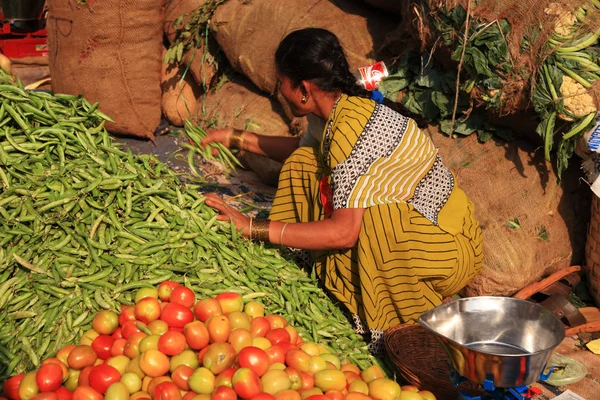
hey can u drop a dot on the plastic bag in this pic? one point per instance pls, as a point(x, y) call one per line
point(567, 370)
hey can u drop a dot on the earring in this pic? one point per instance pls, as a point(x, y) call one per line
point(304, 98)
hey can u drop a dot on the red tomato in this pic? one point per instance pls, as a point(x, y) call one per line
point(218, 357)
point(278, 336)
point(49, 377)
point(246, 383)
point(335, 395)
point(105, 322)
point(224, 378)
point(259, 327)
point(147, 310)
point(117, 334)
point(307, 381)
point(118, 347)
point(45, 396)
point(102, 345)
point(130, 327)
point(196, 335)
point(171, 343)
point(167, 391)
point(176, 315)
point(11, 386)
point(165, 289)
point(254, 358)
point(81, 356)
point(63, 393)
point(86, 393)
point(102, 376)
point(263, 396)
point(181, 376)
point(317, 397)
point(84, 375)
point(276, 353)
point(223, 393)
point(184, 296)
point(65, 369)
point(127, 314)
point(206, 308)
point(230, 302)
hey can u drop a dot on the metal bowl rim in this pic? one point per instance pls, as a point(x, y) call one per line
point(528, 354)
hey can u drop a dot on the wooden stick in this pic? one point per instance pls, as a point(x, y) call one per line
point(534, 288)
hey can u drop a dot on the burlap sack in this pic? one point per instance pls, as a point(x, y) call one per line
point(240, 105)
point(109, 51)
point(201, 64)
point(249, 32)
point(178, 96)
point(510, 182)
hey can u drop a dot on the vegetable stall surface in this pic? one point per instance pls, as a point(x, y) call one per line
point(84, 224)
point(170, 346)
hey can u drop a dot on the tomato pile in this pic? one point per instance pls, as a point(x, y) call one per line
point(169, 346)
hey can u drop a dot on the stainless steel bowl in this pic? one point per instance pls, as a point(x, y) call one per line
point(500, 339)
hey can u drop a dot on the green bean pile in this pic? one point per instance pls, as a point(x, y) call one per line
point(85, 224)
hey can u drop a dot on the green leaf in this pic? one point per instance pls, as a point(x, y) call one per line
point(458, 16)
point(390, 86)
point(472, 124)
point(179, 51)
point(480, 62)
point(442, 103)
point(484, 135)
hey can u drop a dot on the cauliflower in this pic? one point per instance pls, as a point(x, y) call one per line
point(564, 19)
point(576, 98)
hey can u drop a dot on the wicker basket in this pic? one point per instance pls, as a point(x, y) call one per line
point(592, 250)
point(423, 362)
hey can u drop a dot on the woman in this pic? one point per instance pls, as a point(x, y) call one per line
point(390, 232)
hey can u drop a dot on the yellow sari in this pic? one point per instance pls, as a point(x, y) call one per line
point(419, 240)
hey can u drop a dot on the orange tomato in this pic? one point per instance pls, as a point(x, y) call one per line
point(206, 308)
point(181, 376)
point(240, 338)
point(81, 357)
point(287, 395)
point(219, 328)
point(219, 357)
point(259, 327)
point(86, 393)
point(147, 310)
point(298, 359)
point(154, 363)
point(196, 335)
point(172, 342)
point(105, 322)
point(65, 369)
point(276, 321)
point(230, 302)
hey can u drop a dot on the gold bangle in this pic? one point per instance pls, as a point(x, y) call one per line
point(236, 139)
point(281, 234)
point(260, 230)
point(250, 230)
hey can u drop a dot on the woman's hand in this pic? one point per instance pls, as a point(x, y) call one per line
point(220, 135)
point(228, 213)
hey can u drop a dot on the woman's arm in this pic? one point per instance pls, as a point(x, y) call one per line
point(338, 232)
point(278, 148)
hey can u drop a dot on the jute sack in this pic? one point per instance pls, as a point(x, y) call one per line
point(238, 104)
point(109, 51)
point(201, 64)
point(249, 32)
point(510, 185)
point(178, 96)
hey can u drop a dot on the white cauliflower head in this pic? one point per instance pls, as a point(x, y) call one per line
point(576, 98)
point(564, 18)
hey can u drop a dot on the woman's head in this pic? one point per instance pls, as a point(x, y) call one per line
point(314, 55)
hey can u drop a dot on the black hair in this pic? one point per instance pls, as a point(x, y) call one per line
point(314, 54)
